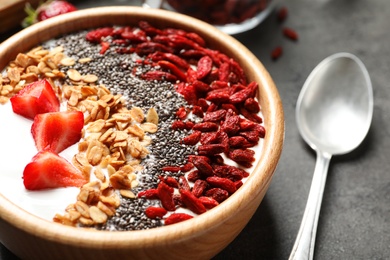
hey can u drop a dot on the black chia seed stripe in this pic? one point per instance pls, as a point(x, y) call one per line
point(115, 72)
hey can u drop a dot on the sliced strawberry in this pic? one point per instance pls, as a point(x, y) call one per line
point(48, 170)
point(57, 131)
point(35, 98)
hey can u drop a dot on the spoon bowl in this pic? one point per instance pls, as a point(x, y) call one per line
point(335, 106)
point(334, 112)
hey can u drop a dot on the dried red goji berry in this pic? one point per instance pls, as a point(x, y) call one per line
point(105, 46)
point(198, 111)
point(196, 38)
point(158, 75)
point(200, 86)
point(276, 52)
point(184, 185)
point(187, 167)
point(282, 14)
point(217, 159)
point(165, 194)
point(151, 194)
point(242, 95)
point(251, 136)
point(96, 36)
point(224, 71)
point(231, 125)
point(203, 166)
point(209, 138)
point(215, 116)
point(244, 157)
point(252, 105)
point(177, 200)
point(176, 218)
point(148, 47)
point(239, 142)
point(251, 116)
point(218, 194)
point(181, 113)
point(218, 97)
point(173, 69)
point(193, 176)
point(238, 71)
point(204, 67)
point(178, 125)
point(206, 127)
point(211, 149)
point(203, 104)
point(231, 172)
point(212, 107)
point(193, 138)
point(149, 29)
point(199, 187)
point(208, 202)
point(136, 36)
point(238, 184)
point(290, 33)
point(192, 202)
point(222, 183)
point(218, 84)
point(172, 182)
point(155, 212)
point(189, 93)
point(232, 107)
point(180, 42)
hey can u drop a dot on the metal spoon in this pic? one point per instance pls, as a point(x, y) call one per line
point(333, 113)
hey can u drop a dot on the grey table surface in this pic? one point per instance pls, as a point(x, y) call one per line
point(355, 214)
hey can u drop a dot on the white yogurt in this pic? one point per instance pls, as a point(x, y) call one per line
point(17, 148)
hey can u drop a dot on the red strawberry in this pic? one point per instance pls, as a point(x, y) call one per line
point(35, 98)
point(47, 10)
point(49, 170)
point(58, 130)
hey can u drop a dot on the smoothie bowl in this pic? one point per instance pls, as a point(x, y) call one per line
point(132, 133)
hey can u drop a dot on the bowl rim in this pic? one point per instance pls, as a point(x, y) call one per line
point(254, 184)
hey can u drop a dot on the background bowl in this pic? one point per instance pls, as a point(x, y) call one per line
point(202, 237)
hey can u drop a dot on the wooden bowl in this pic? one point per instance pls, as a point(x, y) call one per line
point(31, 237)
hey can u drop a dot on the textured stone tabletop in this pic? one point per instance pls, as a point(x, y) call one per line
point(355, 214)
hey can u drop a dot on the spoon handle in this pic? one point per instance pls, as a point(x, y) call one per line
point(304, 243)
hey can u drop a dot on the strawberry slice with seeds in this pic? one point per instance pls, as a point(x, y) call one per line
point(57, 131)
point(48, 170)
point(35, 98)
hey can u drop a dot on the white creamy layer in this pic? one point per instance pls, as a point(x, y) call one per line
point(17, 148)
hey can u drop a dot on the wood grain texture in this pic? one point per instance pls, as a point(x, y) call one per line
point(198, 238)
point(12, 13)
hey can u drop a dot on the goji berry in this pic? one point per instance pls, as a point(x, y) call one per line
point(282, 14)
point(252, 105)
point(193, 176)
point(215, 116)
point(204, 67)
point(251, 136)
point(165, 194)
point(239, 142)
point(206, 127)
point(244, 157)
point(242, 95)
point(155, 212)
point(290, 33)
point(148, 47)
point(187, 167)
point(192, 202)
point(211, 149)
point(218, 194)
point(208, 202)
point(184, 185)
point(149, 29)
point(159, 76)
point(199, 187)
point(151, 194)
point(231, 107)
point(224, 72)
point(181, 113)
point(222, 183)
point(200, 86)
point(105, 46)
point(198, 111)
point(238, 184)
point(96, 36)
point(173, 69)
point(193, 138)
point(196, 38)
point(218, 84)
point(203, 104)
point(203, 166)
point(231, 125)
point(209, 138)
point(178, 125)
point(276, 52)
point(251, 116)
point(172, 182)
point(176, 218)
point(218, 97)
